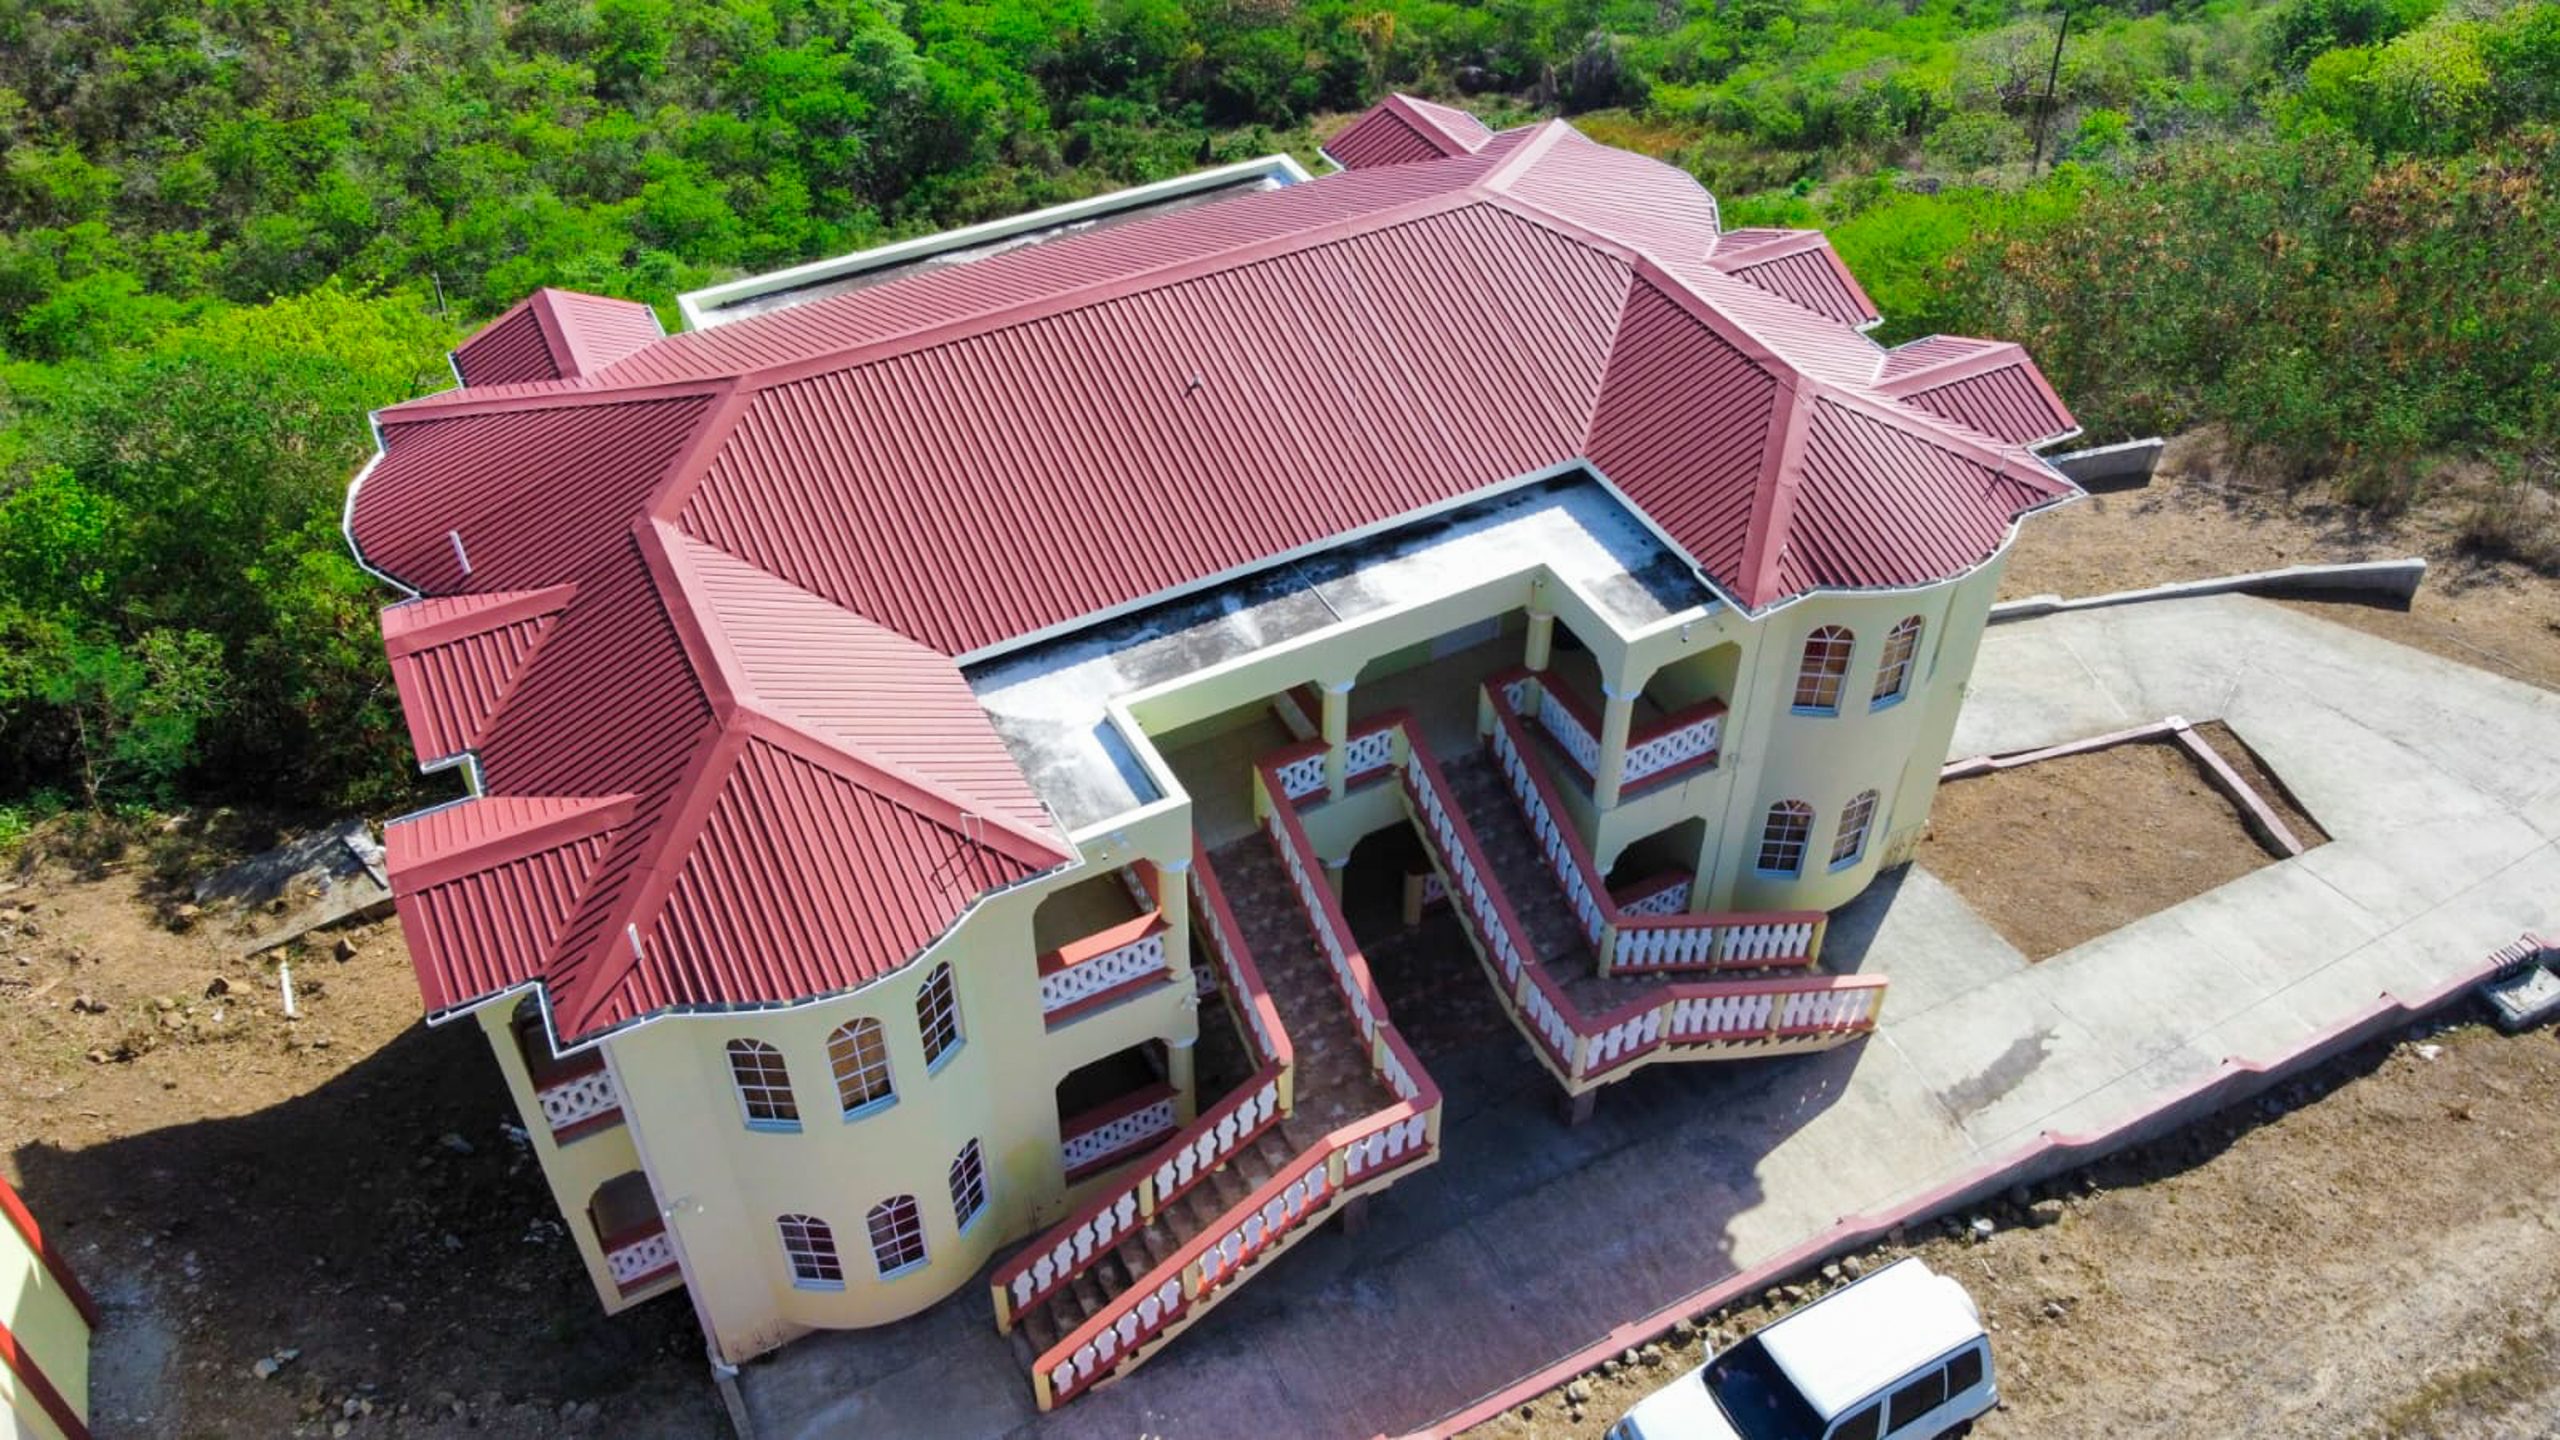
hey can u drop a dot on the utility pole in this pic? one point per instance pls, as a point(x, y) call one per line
point(2052, 74)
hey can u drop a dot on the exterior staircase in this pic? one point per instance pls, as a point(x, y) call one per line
point(1339, 1106)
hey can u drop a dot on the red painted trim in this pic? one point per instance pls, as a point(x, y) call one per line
point(1680, 719)
point(1102, 942)
point(1109, 1110)
point(54, 1264)
point(23, 1365)
point(592, 1125)
point(1649, 887)
point(630, 1234)
point(1220, 918)
point(1857, 1231)
point(645, 1279)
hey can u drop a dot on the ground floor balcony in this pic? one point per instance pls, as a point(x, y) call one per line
point(639, 1255)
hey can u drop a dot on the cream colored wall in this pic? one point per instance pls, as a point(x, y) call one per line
point(49, 1327)
point(1774, 753)
point(574, 1170)
point(724, 1183)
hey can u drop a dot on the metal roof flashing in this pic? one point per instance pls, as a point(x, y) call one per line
point(758, 294)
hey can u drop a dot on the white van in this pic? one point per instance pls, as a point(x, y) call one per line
point(1899, 1355)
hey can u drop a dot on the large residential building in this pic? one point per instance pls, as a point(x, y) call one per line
point(940, 730)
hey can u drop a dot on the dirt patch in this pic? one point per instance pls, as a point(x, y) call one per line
point(2253, 772)
point(2317, 1262)
point(2209, 513)
point(346, 1186)
point(2062, 851)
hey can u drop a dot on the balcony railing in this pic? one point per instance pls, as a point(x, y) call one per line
point(639, 1257)
point(1659, 750)
point(1085, 1237)
point(1641, 939)
point(578, 1098)
point(1586, 1049)
point(1117, 1130)
point(1102, 967)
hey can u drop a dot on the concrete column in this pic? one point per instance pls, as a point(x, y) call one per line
point(1173, 896)
point(1703, 869)
point(1337, 734)
point(1333, 874)
point(1542, 639)
point(1184, 1076)
point(1615, 717)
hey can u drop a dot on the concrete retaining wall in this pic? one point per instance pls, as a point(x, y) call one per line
point(2392, 581)
point(2121, 466)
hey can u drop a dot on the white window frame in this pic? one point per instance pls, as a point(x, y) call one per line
point(872, 1084)
point(968, 1180)
point(1802, 841)
point(766, 1056)
point(809, 1248)
point(1849, 844)
point(1823, 665)
point(1893, 672)
point(895, 1225)
point(938, 1017)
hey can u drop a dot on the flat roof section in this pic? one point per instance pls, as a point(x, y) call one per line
point(1050, 703)
point(800, 284)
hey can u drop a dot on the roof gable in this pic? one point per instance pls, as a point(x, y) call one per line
point(454, 659)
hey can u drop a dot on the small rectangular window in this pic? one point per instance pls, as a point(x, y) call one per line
point(1965, 1371)
point(1861, 1426)
point(1917, 1399)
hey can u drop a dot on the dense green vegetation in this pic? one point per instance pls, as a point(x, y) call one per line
point(229, 230)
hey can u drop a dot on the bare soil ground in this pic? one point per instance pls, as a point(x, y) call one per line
point(342, 1189)
point(2206, 513)
point(2367, 1251)
point(2064, 850)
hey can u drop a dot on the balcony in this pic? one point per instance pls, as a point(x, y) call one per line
point(638, 1253)
point(1120, 1129)
point(576, 1094)
point(1101, 941)
point(1661, 746)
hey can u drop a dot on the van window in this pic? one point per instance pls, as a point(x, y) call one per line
point(1965, 1371)
point(1861, 1426)
point(1918, 1398)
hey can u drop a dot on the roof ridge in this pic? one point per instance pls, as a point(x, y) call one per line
point(736, 703)
point(517, 837)
point(498, 608)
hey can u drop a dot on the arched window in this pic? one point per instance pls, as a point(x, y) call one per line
point(811, 1247)
point(1893, 672)
point(764, 1085)
point(897, 1235)
point(1782, 840)
point(1826, 664)
point(968, 1184)
point(859, 1053)
point(938, 1015)
point(1855, 817)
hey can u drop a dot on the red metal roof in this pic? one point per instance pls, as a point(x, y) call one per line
point(1401, 129)
point(1799, 265)
point(552, 335)
point(745, 554)
point(454, 659)
point(1988, 385)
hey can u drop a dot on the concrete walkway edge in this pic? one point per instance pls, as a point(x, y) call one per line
point(2049, 1153)
point(2394, 580)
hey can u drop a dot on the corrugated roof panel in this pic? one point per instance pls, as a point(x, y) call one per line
point(2005, 402)
point(1879, 506)
point(1383, 137)
point(1636, 201)
point(1683, 430)
point(453, 660)
point(485, 887)
point(594, 331)
point(870, 689)
point(509, 350)
point(528, 494)
point(900, 490)
point(1805, 270)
